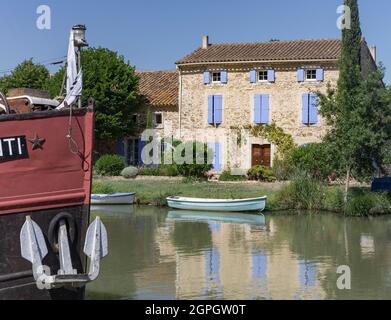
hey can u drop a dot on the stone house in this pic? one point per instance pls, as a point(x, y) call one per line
point(226, 85)
point(221, 86)
point(159, 91)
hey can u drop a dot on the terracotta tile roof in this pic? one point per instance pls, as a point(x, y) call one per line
point(160, 88)
point(267, 51)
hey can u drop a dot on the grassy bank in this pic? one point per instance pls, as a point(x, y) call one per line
point(300, 194)
point(155, 192)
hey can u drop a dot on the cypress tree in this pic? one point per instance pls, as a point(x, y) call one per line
point(350, 61)
point(356, 111)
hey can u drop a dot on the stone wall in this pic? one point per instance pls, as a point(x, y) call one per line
point(170, 119)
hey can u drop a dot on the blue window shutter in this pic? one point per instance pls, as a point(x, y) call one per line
point(120, 147)
point(271, 77)
point(210, 110)
point(305, 108)
point(224, 76)
point(257, 108)
point(218, 109)
point(265, 110)
point(206, 77)
point(320, 74)
point(300, 75)
point(253, 76)
point(216, 148)
point(313, 109)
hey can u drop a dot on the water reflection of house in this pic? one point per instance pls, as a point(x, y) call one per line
point(236, 265)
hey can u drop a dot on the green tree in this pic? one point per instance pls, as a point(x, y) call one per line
point(356, 111)
point(113, 84)
point(26, 75)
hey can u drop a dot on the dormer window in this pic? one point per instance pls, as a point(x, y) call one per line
point(310, 74)
point(216, 77)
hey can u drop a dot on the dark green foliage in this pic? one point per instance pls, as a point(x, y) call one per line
point(26, 75)
point(113, 84)
point(358, 111)
point(162, 171)
point(110, 165)
point(102, 188)
point(228, 176)
point(313, 159)
point(149, 123)
point(261, 173)
point(303, 193)
point(334, 199)
point(364, 203)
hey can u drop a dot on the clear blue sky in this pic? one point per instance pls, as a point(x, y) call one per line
point(153, 34)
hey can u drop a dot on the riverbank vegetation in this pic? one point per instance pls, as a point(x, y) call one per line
point(301, 193)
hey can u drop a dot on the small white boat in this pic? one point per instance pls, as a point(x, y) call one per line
point(221, 205)
point(113, 199)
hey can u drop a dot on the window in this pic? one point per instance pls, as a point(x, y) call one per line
point(310, 74)
point(158, 119)
point(133, 154)
point(216, 76)
point(263, 75)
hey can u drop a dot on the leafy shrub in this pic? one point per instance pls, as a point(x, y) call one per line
point(282, 169)
point(110, 165)
point(312, 159)
point(129, 172)
point(228, 176)
point(261, 173)
point(197, 164)
point(367, 204)
point(303, 192)
point(148, 171)
point(162, 171)
point(102, 188)
point(169, 171)
point(335, 199)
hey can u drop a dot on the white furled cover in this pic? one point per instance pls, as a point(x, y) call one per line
point(74, 79)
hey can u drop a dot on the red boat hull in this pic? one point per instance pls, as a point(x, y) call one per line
point(53, 177)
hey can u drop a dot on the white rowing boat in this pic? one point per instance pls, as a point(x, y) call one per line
point(113, 199)
point(221, 205)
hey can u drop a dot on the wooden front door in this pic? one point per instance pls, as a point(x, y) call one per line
point(261, 155)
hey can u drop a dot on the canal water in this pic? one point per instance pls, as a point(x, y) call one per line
point(156, 254)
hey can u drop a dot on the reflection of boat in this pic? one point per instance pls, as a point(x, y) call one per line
point(223, 205)
point(125, 209)
point(240, 218)
point(113, 199)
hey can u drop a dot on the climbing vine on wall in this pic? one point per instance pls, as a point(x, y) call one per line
point(274, 134)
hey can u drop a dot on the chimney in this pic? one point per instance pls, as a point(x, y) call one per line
point(205, 42)
point(373, 53)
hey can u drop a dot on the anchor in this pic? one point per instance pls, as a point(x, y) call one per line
point(34, 249)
